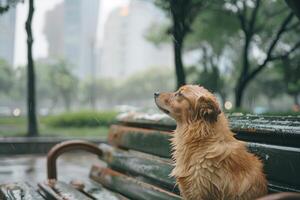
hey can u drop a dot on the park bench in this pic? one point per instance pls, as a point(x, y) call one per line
point(136, 159)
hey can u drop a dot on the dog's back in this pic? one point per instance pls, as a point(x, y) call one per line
point(223, 171)
point(209, 162)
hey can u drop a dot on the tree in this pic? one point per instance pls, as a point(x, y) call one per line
point(63, 82)
point(32, 129)
point(291, 71)
point(236, 26)
point(211, 39)
point(182, 13)
point(140, 87)
point(252, 16)
point(6, 5)
point(6, 77)
point(31, 99)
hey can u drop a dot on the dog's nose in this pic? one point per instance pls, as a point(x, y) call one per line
point(156, 94)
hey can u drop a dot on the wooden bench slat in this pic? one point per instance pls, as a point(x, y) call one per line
point(162, 120)
point(98, 192)
point(61, 191)
point(16, 191)
point(155, 169)
point(279, 187)
point(279, 159)
point(140, 165)
point(276, 158)
point(144, 140)
point(128, 186)
point(276, 130)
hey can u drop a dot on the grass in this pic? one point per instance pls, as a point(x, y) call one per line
point(10, 126)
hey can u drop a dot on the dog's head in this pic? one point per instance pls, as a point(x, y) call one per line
point(189, 104)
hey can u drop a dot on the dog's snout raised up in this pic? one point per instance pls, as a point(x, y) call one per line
point(156, 94)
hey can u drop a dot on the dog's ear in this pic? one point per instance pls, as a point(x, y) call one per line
point(207, 109)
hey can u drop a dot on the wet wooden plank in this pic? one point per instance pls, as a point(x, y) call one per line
point(17, 191)
point(275, 187)
point(275, 130)
point(61, 191)
point(148, 141)
point(144, 120)
point(98, 192)
point(282, 164)
point(149, 168)
point(286, 124)
point(128, 186)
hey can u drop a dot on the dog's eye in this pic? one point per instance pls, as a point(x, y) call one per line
point(178, 94)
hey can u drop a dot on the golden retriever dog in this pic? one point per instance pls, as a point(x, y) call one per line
point(210, 164)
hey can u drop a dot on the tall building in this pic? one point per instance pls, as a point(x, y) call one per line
point(7, 35)
point(80, 22)
point(54, 31)
point(125, 50)
point(71, 31)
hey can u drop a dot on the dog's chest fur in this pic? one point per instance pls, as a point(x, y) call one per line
point(197, 168)
point(201, 166)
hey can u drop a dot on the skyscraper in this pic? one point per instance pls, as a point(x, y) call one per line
point(54, 31)
point(7, 35)
point(125, 49)
point(80, 32)
point(71, 31)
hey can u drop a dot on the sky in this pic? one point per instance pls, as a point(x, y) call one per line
point(40, 44)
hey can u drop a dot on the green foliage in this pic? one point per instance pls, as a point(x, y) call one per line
point(158, 33)
point(209, 78)
point(213, 28)
point(82, 119)
point(141, 86)
point(6, 77)
point(12, 126)
point(291, 70)
point(56, 83)
point(269, 86)
point(138, 88)
point(61, 79)
point(224, 27)
point(6, 5)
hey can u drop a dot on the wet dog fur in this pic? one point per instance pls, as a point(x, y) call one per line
point(210, 164)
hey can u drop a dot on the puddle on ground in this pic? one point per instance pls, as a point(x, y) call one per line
point(32, 168)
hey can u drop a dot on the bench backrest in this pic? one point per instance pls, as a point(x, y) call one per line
point(141, 161)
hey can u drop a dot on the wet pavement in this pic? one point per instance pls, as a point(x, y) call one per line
point(32, 168)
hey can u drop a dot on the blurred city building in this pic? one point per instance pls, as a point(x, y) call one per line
point(54, 31)
point(125, 50)
point(71, 31)
point(7, 35)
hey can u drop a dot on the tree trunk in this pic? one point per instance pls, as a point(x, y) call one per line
point(239, 92)
point(66, 100)
point(223, 97)
point(31, 104)
point(178, 38)
point(242, 83)
point(296, 100)
point(93, 78)
point(180, 73)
